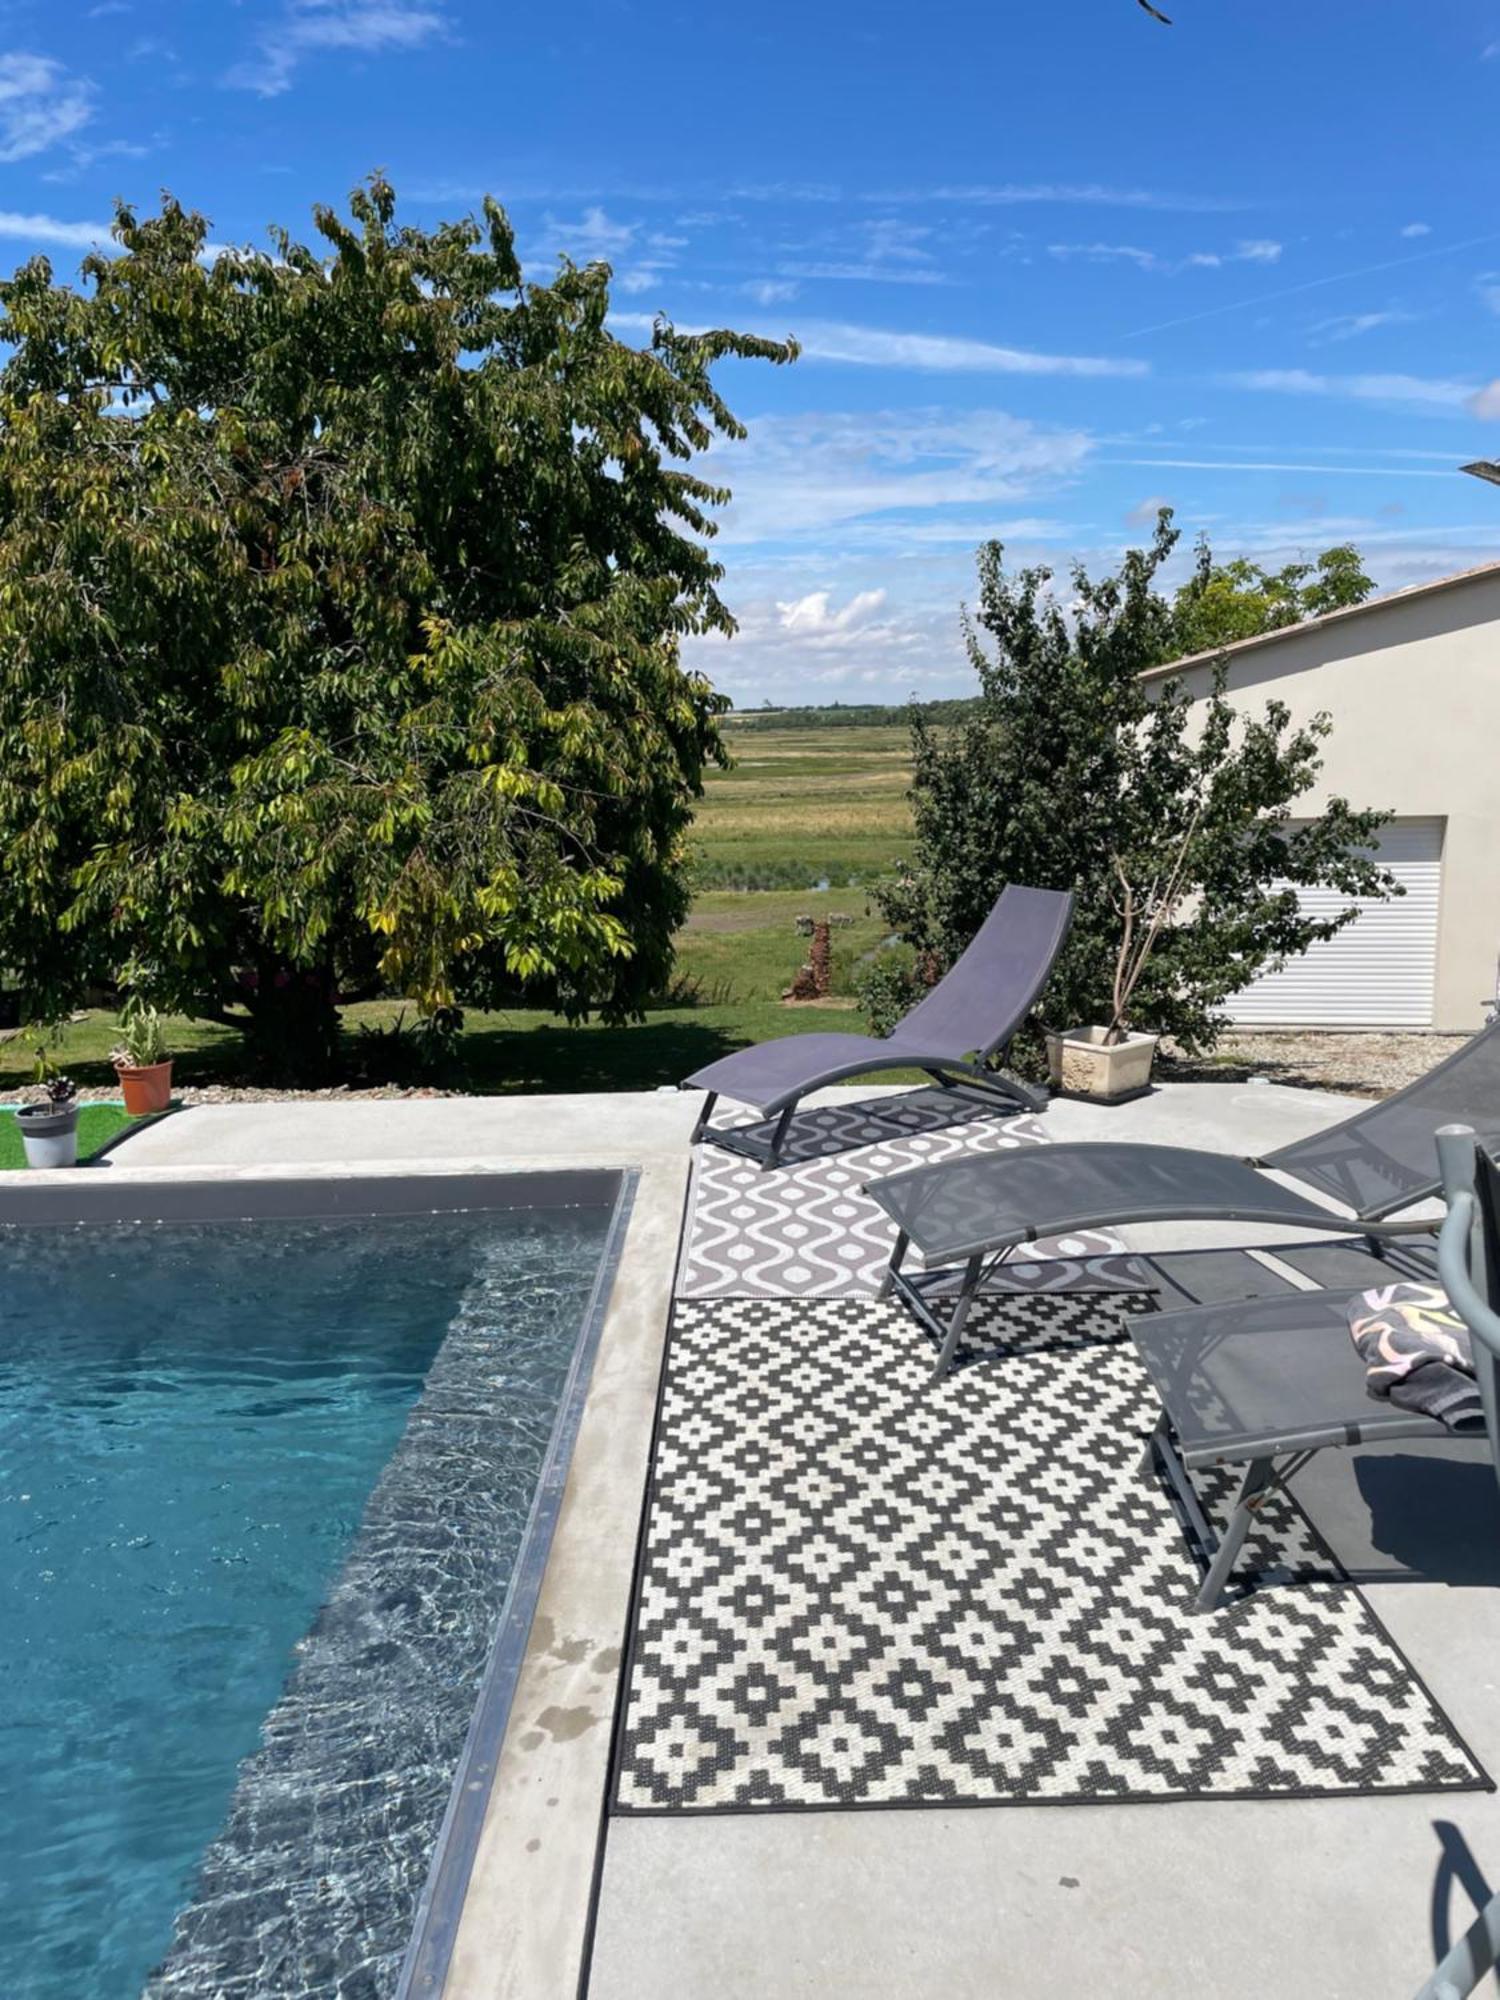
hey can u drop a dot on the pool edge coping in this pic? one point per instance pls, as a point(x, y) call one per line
point(524, 1926)
point(440, 1907)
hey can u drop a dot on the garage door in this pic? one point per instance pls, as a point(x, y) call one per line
point(1378, 971)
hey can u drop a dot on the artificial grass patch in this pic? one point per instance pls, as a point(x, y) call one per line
point(97, 1125)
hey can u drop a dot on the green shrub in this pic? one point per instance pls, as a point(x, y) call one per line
point(1075, 773)
point(888, 985)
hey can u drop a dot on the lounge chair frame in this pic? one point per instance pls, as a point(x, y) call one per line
point(987, 1086)
point(1016, 1197)
point(1275, 1460)
point(1014, 950)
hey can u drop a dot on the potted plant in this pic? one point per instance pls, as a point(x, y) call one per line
point(1109, 1063)
point(49, 1130)
point(141, 1061)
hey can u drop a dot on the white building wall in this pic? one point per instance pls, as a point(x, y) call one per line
point(1412, 686)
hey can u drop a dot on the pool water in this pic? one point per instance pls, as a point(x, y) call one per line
point(193, 1419)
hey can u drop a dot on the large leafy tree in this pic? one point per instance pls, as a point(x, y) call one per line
point(1223, 602)
point(1073, 772)
point(341, 592)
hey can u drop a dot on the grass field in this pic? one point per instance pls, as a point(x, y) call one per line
point(800, 808)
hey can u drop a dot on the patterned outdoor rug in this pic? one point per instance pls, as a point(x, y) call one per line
point(805, 1229)
point(857, 1589)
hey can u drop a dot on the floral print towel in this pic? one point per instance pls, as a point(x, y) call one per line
point(1417, 1354)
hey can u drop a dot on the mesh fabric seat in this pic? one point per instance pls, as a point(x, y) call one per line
point(994, 1201)
point(1278, 1375)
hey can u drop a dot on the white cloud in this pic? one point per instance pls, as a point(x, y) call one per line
point(934, 353)
point(876, 347)
point(814, 191)
point(1367, 530)
point(883, 659)
point(1349, 326)
point(594, 236)
point(1485, 402)
point(1006, 194)
point(40, 104)
point(1258, 250)
point(883, 250)
point(809, 617)
point(1417, 229)
point(875, 274)
point(1283, 465)
point(1143, 514)
point(334, 27)
point(637, 255)
point(886, 475)
point(1413, 390)
point(1107, 253)
point(1487, 284)
point(48, 229)
point(769, 291)
point(82, 156)
point(1070, 194)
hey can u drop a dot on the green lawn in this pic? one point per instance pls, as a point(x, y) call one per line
point(521, 1050)
point(98, 1124)
point(744, 946)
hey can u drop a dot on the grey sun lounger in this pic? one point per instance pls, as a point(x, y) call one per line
point(956, 1033)
point(1266, 1384)
point(973, 1212)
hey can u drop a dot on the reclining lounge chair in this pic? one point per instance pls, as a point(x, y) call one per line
point(975, 1211)
point(1265, 1385)
point(956, 1033)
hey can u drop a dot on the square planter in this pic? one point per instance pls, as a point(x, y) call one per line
point(1083, 1064)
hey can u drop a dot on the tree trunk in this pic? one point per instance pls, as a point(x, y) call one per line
point(292, 1036)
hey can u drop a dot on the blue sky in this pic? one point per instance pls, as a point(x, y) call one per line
point(1050, 264)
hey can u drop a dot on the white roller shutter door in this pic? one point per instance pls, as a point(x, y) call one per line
point(1378, 971)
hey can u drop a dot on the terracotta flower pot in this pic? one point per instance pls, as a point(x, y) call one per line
point(145, 1090)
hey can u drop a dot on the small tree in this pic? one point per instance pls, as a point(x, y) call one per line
point(1145, 907)
point(1074, 772)
point(340, 600)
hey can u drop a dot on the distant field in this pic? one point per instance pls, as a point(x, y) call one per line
point(803, 807)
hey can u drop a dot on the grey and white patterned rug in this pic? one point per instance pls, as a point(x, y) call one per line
point(805, 1229)
point(860, 1589)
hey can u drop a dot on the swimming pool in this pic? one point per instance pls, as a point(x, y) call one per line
point(263, 1485)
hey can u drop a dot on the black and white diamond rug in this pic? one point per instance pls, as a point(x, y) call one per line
point(808, 1229)
point(858, 1589)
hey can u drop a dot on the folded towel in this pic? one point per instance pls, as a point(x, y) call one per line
point(1417, 1353)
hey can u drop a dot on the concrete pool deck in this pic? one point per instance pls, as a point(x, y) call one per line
point(1343, 1897)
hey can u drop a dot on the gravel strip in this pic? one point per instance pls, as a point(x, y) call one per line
point(1367, 1065)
